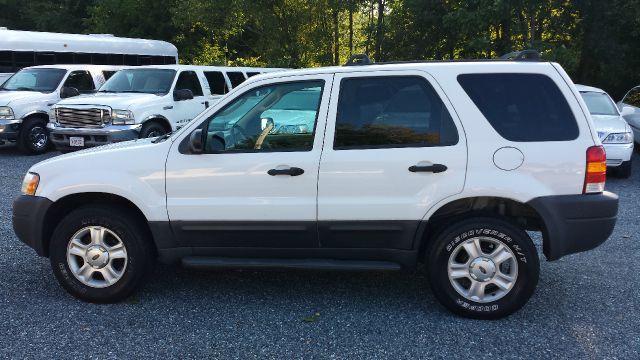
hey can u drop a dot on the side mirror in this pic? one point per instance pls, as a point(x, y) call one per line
point(627, 110)
point(195, 142)
point(264, 122)
point(182, 94)
point(67, 92)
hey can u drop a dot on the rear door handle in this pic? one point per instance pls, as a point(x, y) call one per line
point(435, 168)
point(206, 104)
point(292, 171)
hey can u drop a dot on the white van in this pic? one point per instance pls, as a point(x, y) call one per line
point(27, 96)
point(142, 102)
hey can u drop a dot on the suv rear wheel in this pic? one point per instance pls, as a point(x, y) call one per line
point(483, 268)
point(100, 254)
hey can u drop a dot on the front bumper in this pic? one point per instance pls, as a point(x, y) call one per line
point(575, 223)
point(618, 153)
point(9, 129)
point(60, 136)
point(29, 219)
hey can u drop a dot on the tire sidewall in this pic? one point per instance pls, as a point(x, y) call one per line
point(129, 236)
point(515, 239)
point(25, 138)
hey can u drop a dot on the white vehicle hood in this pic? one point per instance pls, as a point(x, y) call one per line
point(608, 124)
point(113, 100)
point(8, 98)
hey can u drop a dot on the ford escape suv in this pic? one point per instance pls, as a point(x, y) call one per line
point(370, 167)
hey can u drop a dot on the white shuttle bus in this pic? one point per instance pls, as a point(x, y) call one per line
point(20, 49)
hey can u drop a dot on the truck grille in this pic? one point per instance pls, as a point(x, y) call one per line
point(82, 117)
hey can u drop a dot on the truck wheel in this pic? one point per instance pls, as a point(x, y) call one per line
point(152, 129)
point(100, 254)
point(624, 170)
point(34, 138)
point(483, 268)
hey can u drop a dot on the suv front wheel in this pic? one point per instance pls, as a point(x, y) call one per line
point(483, 268)
point(100, 254)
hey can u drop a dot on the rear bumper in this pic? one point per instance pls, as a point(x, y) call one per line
point(9, 129)
point(575, 223)
point(28, 221)
point(92, 137)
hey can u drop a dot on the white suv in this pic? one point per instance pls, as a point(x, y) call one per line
point(27, 96)
point(370, 167)
point(142, 102)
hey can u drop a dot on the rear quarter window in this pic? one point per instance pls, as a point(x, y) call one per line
point(522, 107)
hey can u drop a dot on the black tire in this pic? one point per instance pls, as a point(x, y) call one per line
point(140, 262)
point(521, 246)
point(33, 138)
point(624, 170)
point(152, 129)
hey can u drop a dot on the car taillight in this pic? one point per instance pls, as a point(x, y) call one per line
point(596, 173)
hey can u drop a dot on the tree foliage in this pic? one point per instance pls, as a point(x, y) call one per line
point(597, 42)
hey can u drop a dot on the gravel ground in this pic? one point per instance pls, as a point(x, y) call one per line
point(586, 306)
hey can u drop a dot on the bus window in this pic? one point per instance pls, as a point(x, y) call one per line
point(82, 58)
point(80, 80)
point(144, 60)
point(24, 59)
point(64, 58)
point(157, 60)
point(100, 59)
point(131, 60)
point(116, 59)
point(6, 61)
point(250, 74)
point(216, 81)
point(169, 60)
point(45, 59)
point(236, 78)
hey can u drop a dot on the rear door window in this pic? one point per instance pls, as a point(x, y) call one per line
point(391, 112)
point(522, 107)
point(217, 83)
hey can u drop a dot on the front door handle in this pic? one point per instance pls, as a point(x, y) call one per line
point(292, 171)
point(435, 168)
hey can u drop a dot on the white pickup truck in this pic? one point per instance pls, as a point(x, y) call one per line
point(142, 102)
point(27, 96)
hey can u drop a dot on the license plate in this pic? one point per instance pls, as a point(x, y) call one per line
point(76, 141)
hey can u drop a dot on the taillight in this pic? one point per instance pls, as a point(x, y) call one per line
point(596, 173)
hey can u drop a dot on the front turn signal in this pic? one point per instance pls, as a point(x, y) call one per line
point(30, 184)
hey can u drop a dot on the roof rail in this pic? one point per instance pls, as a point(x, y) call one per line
point(524, 55)
point(359, 59)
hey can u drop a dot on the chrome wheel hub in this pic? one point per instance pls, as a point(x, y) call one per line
point(96, 256)
point(482, 269)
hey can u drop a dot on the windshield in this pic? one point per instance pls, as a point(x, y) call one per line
point(42, 80)
point(148, 81)
point(599, 103)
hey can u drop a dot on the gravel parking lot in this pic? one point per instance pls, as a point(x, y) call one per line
point(586, 306)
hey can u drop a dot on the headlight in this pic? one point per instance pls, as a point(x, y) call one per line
point(122, 117)
point(619, 138)
point(6, 113)
point(30, 184)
